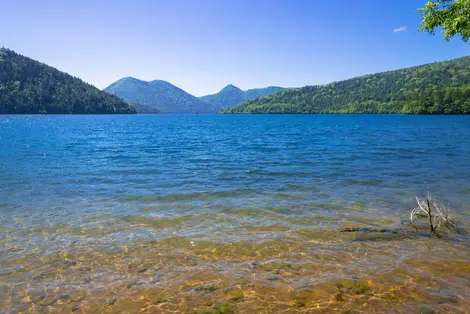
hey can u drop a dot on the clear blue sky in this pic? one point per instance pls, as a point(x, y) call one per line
point(203, 45)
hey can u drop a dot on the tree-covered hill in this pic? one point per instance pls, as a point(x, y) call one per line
point(158, 94)
point(231, 96)
point(30, 87)
point(400, 91)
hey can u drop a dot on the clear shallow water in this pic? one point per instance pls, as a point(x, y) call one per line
point(173, 213)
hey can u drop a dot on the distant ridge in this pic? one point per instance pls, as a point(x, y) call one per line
point(437, 88)
point(30, 87)
point(158, 95)
point(231, 96)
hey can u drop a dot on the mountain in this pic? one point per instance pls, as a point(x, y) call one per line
point(441, 87)
point(145, 109)
point(231, 96)
point(158, 94)
point(30, 87)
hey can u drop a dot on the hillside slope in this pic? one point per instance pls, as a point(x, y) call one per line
point(30, 87)
point(158, 94)
point(231, 96)
point(387, 92)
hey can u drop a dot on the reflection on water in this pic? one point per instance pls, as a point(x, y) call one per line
point(224, 214)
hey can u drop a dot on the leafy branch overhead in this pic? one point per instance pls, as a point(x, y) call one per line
point(453, 16)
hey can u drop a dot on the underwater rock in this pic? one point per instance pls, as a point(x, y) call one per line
point(110, 301)
point(160, 298)
point(34, 298)
point(295, 266)
point(274, 277)
point(223, 308)
point(206, 288)
point(274, 266)
point(48, 301)
point(426, 310)
point(348, 284)
point(236, 295)
point(77, 297)
point(339, 296)
point(298, 303)
point(452, 298)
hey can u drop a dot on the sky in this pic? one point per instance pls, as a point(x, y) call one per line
point(203, 45)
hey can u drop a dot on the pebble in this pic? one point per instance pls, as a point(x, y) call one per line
point(110, 301)
point(339, 296)
point(426, 310)
point(47, 301)
point(236, 295)
point(77, 297)
point(298, 303)
point(160, 298)
point(223, 308)
point(274, 277)
point(452, 298)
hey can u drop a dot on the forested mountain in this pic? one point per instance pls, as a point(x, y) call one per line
point(145, 109)
point(231, 96)
point(158, 94)
point(432, 88)
point(436, 100)
point(30, 87)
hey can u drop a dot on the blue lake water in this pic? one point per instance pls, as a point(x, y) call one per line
point(91, 203)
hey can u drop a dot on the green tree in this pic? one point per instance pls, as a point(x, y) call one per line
point(453, 16)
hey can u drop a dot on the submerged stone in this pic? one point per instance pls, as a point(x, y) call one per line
point(236, 295)
point(348, 284)
point(426, 310)
point(160, 298)
point(362, 285)
point(110, 301)
point(223, 308)
point(274, 277)
point(34, 298)
point(339, 296)
point(452, 298)
point(274, 265)
point(298, 303)
point(77, 297)
point(206, 288)
point(295, 267)
point(48, 301)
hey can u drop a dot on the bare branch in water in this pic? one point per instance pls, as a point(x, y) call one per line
point(437, 213)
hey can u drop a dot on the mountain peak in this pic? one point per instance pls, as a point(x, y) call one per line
point(230, 87)
point(157, 95)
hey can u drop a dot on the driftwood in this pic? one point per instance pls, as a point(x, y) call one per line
point(437, 215)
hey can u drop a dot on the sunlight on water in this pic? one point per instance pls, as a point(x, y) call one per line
point(223, 214)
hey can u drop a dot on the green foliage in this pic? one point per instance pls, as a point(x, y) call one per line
point(439, 100)
point(30, 87)
point(451, 15)
point(231, 96)
point(157, 94)
point(386, 92)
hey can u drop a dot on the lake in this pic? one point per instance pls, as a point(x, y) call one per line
point(231, 213)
